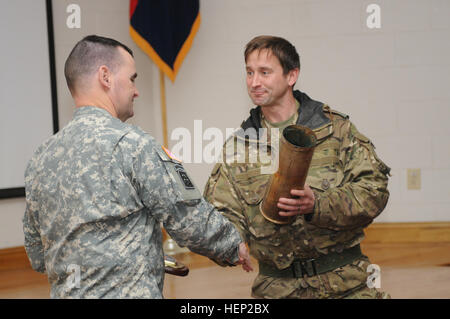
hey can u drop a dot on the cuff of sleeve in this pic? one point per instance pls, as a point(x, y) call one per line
point(231, 259)
point(311, 217)
point(235, 257)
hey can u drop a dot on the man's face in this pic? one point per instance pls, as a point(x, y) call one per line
point(266, 83)
point(123, 89)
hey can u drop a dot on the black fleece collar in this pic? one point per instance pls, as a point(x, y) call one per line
point(310, 114)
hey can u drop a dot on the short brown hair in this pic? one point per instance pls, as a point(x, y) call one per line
point(88, 54)
point(281, 48)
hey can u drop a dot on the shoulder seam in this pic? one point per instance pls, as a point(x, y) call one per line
point(327, 108)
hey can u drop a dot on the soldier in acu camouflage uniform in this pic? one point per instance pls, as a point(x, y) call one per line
point(318, 254)
point(97, 191)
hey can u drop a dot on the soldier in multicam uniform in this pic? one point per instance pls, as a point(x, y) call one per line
point(318, 254)
point(97, 191)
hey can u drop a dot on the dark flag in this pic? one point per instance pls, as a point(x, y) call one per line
point(165, 29)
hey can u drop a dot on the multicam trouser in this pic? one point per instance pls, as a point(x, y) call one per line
point(348, 282)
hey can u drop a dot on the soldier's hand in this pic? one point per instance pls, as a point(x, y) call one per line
point(303, 204)
point(244, 258)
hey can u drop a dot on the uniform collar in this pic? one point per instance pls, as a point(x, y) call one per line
point(310, 114)
point(91, 110)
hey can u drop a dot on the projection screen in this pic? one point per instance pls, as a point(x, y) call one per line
point(27, 88)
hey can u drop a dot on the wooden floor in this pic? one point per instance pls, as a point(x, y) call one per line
point(420, 270)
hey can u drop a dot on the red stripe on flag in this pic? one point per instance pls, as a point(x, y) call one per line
point(133, 5)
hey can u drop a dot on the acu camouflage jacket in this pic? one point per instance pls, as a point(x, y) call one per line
point(96, 194)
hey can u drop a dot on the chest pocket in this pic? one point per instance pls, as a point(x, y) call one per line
point(250, 183)
point(325, 171)
point(251, 187)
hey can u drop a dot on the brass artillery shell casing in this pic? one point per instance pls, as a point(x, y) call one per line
point(296, 151)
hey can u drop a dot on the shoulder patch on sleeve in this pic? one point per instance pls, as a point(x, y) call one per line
point(182, 182)
point(184, 177)
point(162, 154)
point(170, 154)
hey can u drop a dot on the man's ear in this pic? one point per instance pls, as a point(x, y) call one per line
point(293, 76)
point(104, 76)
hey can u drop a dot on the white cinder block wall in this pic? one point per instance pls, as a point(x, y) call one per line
point(392, 81)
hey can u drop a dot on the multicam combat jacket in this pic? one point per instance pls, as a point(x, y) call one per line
point(349, 182)
point(96, 193)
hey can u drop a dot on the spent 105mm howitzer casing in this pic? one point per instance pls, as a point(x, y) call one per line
point(296, 151)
